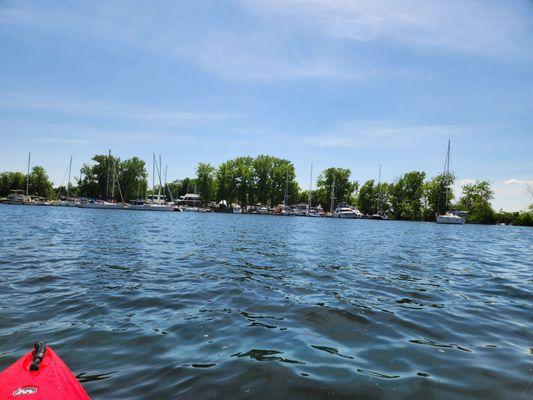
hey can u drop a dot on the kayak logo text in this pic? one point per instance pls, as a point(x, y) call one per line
point(25, 390)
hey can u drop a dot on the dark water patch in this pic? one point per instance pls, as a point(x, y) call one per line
point(266, 355)
point(429, 342)
point(85, 377)
point(377, 374)
point(331, 350)
point(202, 365)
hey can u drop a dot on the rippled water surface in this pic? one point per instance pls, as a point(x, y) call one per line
point(197, 306)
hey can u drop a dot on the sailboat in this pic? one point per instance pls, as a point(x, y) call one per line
point(104, 204)
point(154, 203)
point(451, 217)
point(380, 214)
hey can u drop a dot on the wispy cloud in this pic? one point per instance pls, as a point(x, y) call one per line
point(518, 182)
point(268, 48)
point(111, 110)
point(480, 27)
point(397, 136)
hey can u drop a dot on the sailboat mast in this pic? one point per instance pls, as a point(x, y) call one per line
point(286, 196)
point(332, 200)
point(160, 183)
point(69, 170)
point(378, 206)
point(114, 177)
point(28, 175)
point(446, 174)
point(107, 177)
point(311, 187)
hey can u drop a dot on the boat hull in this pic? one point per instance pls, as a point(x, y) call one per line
point(107, 206)
point(52, 380)
point(450, 220)
point(151, 208)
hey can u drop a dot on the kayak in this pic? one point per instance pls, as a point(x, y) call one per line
point(40, 375)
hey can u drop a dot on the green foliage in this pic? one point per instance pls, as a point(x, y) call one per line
point(523, 218)
point(405, 196)
point(476, 200)
point(344, 191)
point(11, 181)
point(367, 198)
point(206, 181)
point(248, 180)
point(40, 185)
point(130, 178)
point(436, 200)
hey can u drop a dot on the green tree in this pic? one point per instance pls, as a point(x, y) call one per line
point(263, 177)
point(438, 195)
point(206, 181)
point(40, 185)
point(476, 200)
point(11, 181)
point(132, 178)
point(111, 176)
point(244, 174)
point(282, 172)
point(344, 188)
point(225, 182)
point(406, 196)
point(367, 198)
point(94, 181)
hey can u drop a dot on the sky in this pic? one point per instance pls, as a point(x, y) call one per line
point(350, 84)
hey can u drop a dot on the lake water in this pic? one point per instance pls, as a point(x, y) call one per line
point(198, 306)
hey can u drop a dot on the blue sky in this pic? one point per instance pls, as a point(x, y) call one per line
point(330, 82)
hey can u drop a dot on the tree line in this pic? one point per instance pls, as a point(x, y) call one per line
point(270, 181)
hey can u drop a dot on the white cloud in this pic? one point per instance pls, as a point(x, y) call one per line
point(120, 111)
point(287, 39)
point(479, 27)
point(397, 136)
point(519, 182)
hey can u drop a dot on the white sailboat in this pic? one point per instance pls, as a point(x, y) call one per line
point(104, 204)
point(451, 217)
point(154, 203)
point(380, 214)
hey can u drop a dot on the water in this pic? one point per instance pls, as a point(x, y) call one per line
point(197, 306)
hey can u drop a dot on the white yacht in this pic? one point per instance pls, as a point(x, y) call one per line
point(343, 211)
point(236, 209)
point(452, 217)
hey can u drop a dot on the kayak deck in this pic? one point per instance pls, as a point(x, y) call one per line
point(40, 376)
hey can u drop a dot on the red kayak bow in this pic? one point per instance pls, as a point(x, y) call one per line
point(40, 375)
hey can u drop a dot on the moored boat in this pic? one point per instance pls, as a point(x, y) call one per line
point(452, 217)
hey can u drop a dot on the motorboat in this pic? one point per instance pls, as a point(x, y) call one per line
point(345, 211)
